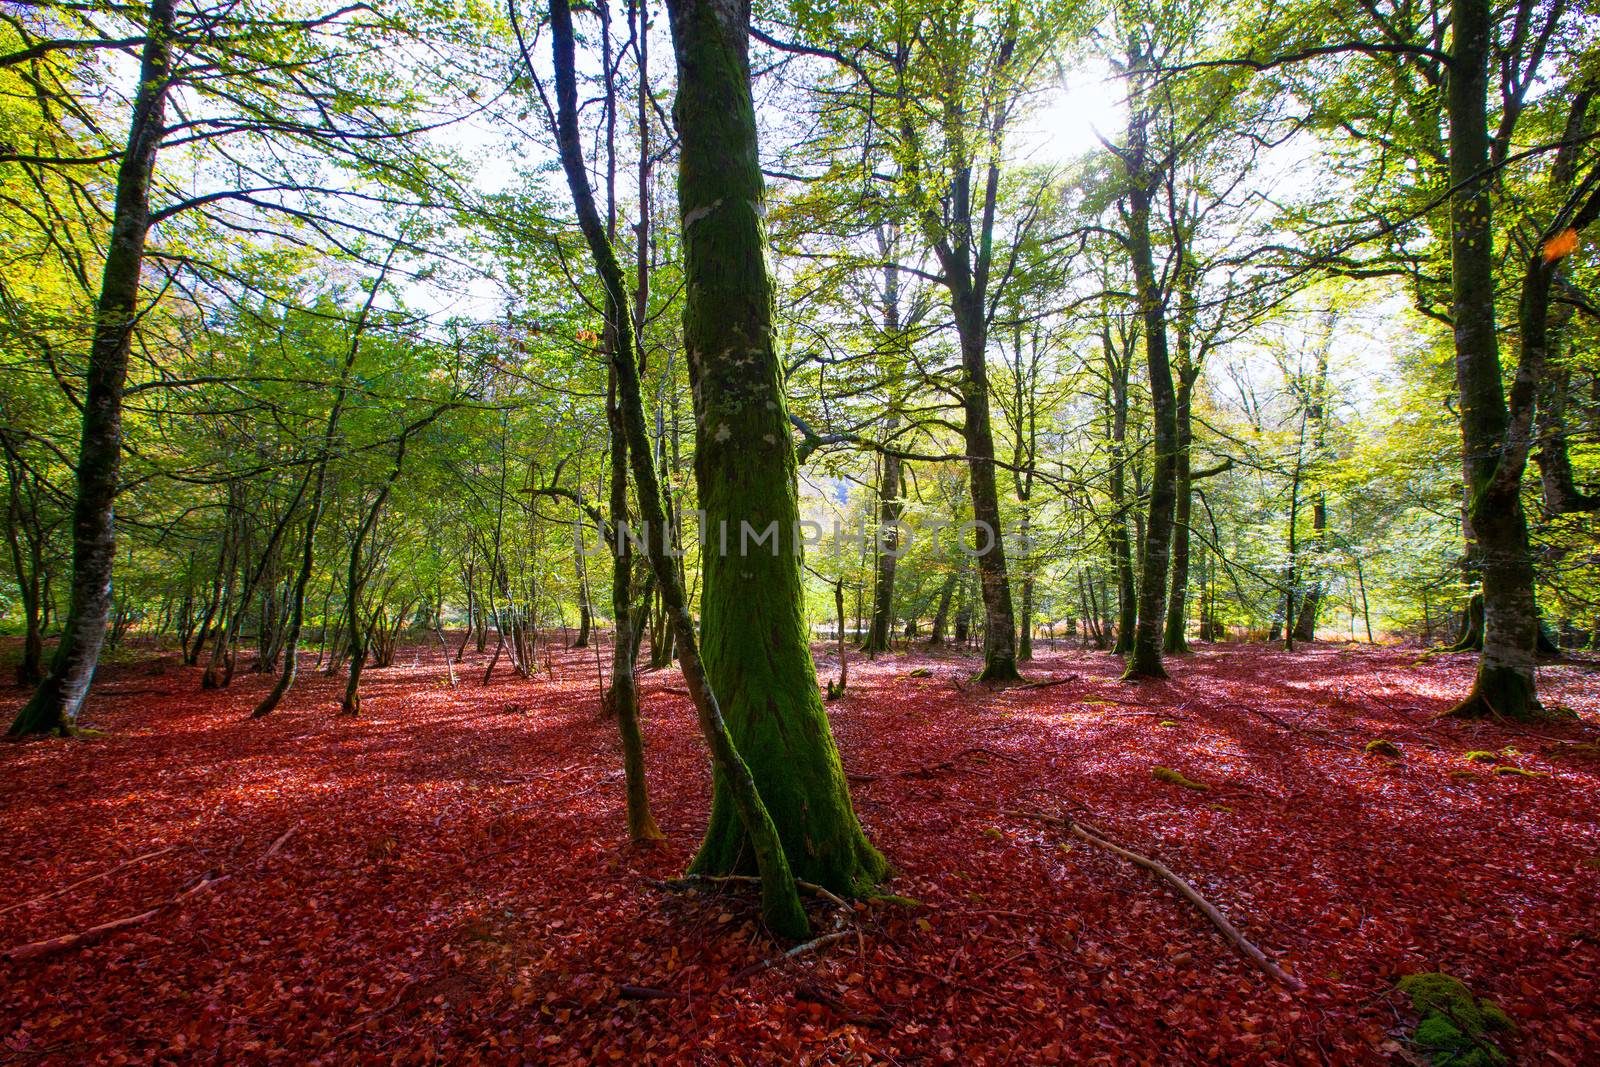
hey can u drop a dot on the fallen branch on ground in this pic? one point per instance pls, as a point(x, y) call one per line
point(1189, 893)
point(689, 881)
point(92, 878)
point(1047, 683)
point(282, 840)
point(799, 950)
point(52, 946)
point(937, 768)
point(646, 992)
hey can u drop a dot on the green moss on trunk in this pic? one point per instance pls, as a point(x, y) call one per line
point(753, 633)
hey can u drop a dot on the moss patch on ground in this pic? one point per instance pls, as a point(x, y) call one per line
point(1172, 777)
point(1454, 1027)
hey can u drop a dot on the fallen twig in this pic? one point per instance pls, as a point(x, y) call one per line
point(645, 992)
point(1189, 893)
point(92, 878)
point(799, 950)
point(1047, 683)
point(282, 840)
point(52, 946)
point(688, 881)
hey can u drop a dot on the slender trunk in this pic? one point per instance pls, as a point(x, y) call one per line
point(1025, 616)
point(1175, 638)
point(941, 614)
point(55, 704)
point(1305, 627)
point(622, 699)
point(330, 432)
point(836, 688)
point(881, 629)
point(1121, 549)
point(1000, 624)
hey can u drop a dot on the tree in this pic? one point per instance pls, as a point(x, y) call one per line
point(54, 706)
point(786, 806)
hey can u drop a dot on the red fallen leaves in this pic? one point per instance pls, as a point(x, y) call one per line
point(456, 886)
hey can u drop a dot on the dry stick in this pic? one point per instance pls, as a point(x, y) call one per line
point(54, 945)
point(712, 879)
point(799, 950)
point(92, 878)
point(283, 839)
point(932, 769)
point(1047, 683)
point(1220, 921)
point(646, 992)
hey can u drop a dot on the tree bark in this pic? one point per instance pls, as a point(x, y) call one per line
point(1144, 659)
point(757, 658)
point(55, 704)
point(1505, 685)
point(788, 808)
point(881, 628)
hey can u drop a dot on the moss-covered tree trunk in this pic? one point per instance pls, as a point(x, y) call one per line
point(1505, 684)
point(753, 632)
point(55, 704)
point(622, 698)
point(1175, 638)
point(1117, 541)
point(755, 823)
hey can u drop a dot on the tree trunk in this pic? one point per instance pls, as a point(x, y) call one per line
point(1175, 638)
point(622, 698)
point(1305, 627)
point(1144, 660)
point(785, 806)
point(1117, 481)
point(297, 600)
point(941, 613)
point(757, 659)
point(881, 629)
point(55, 704)
point(1000, 623)
point(1505, 685)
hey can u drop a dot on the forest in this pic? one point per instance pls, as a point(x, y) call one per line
point(867, 532)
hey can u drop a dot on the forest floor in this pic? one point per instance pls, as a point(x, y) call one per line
point(456, 887)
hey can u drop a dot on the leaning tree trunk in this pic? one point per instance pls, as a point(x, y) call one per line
point(1505, 685)
point(55, 704)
